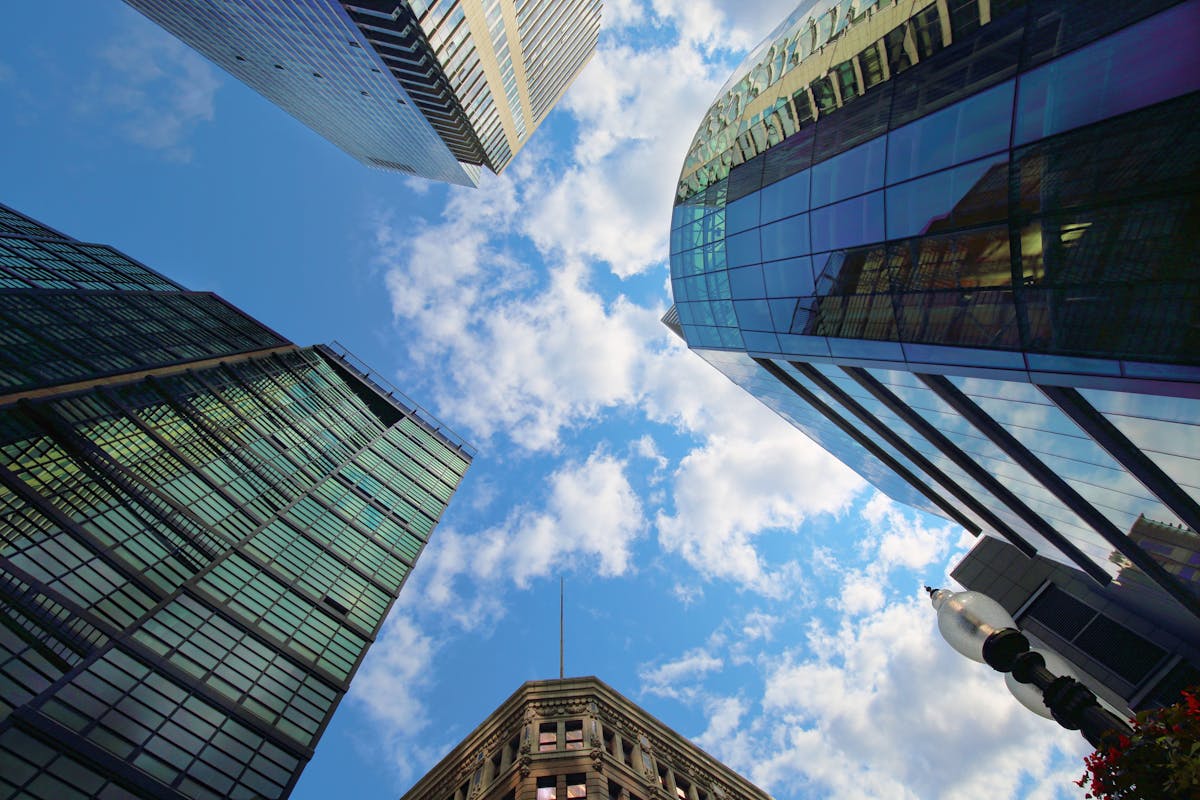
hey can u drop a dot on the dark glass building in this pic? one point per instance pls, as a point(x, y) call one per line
point(955, 243)
point(202, 528)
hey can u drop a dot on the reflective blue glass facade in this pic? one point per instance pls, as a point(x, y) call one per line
point(967, 228)
point(436, 89)
point(202, 528)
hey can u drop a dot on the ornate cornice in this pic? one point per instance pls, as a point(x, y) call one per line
point(583, 698)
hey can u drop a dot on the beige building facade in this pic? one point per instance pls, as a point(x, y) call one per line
point(578, 739)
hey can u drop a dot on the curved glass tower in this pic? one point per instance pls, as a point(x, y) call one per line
point(954, 242)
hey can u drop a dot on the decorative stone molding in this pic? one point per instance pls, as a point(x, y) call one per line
point(584, 699)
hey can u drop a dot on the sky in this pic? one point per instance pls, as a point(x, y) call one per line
point(721, 570)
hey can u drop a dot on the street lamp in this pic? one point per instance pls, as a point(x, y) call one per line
point(979, 628)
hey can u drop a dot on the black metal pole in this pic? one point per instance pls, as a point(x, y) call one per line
point(1073, 705)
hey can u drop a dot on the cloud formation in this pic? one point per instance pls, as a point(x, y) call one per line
point(157, 89)
point(734, 488)
point(671, 679)
point(880, 707)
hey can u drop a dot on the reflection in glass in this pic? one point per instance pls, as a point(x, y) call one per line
point(853, 172)
point(967, 195)
point(849, 223)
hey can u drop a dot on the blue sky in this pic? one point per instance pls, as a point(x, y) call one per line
point(721, 570)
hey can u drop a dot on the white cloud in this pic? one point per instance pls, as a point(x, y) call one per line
point(733, 488)
point(892, 540)
point(887, 679)
point(722, 24)
point(725, 732)
point(396, 668)
point(758, 625)
point(637, 112)
point(588, 521)
point(156, 88)
point(390, 687)
point(882, 708)
point(647, 448)
point(687, 593)
point(618, 14)
point(679, 678)
point(528, 359)
point(861, 593)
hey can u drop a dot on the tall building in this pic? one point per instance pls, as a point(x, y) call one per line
point(1129, 645)
point(954, 243)
point(578, 739)
point(436, 88)
point(202, 528)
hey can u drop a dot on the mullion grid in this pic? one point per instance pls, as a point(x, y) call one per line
point(230, 660)
point(68, 566)
point(373, 601)
point(351, 537)
point(149, 721)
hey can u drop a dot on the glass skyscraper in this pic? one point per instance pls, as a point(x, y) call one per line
point(436, 88)
point(955, 243)
point(202, 528)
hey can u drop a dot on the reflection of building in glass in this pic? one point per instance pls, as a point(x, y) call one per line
point(202, 527)
point(428, 87)
point(1129, 643)
point(1176, 548)
point(954, 243)
point(577, 738)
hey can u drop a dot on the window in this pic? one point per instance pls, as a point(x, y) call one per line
point(547, 741)
point(574, 737)
point(847, 80)
point(1113, 645)
point(872, 66)
point(576, 787)
point(547, 787)
point(822, 92)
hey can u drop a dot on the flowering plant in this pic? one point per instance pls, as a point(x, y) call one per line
point(1159, 761)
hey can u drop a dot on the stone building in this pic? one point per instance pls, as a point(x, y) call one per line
point(577, 738)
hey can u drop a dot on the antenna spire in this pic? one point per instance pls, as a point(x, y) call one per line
point(561, 673)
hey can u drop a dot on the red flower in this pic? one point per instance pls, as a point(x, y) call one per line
point(1160, 760)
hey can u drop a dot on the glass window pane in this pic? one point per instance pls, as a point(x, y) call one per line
point(746, 283)
point(963, 196)
point(790, 278)
point(742, 249)
point(786, 238)
point(849, 223)
point(1118, 73)
point(786, 197)
point(968, 129)
point(853, 172)
point(742, 214)
point(753, 315)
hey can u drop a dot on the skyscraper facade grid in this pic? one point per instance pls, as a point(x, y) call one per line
point(953, 243)
point(435, 88)
point(202, 529)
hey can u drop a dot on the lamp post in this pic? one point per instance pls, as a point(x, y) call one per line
point(979, 628)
